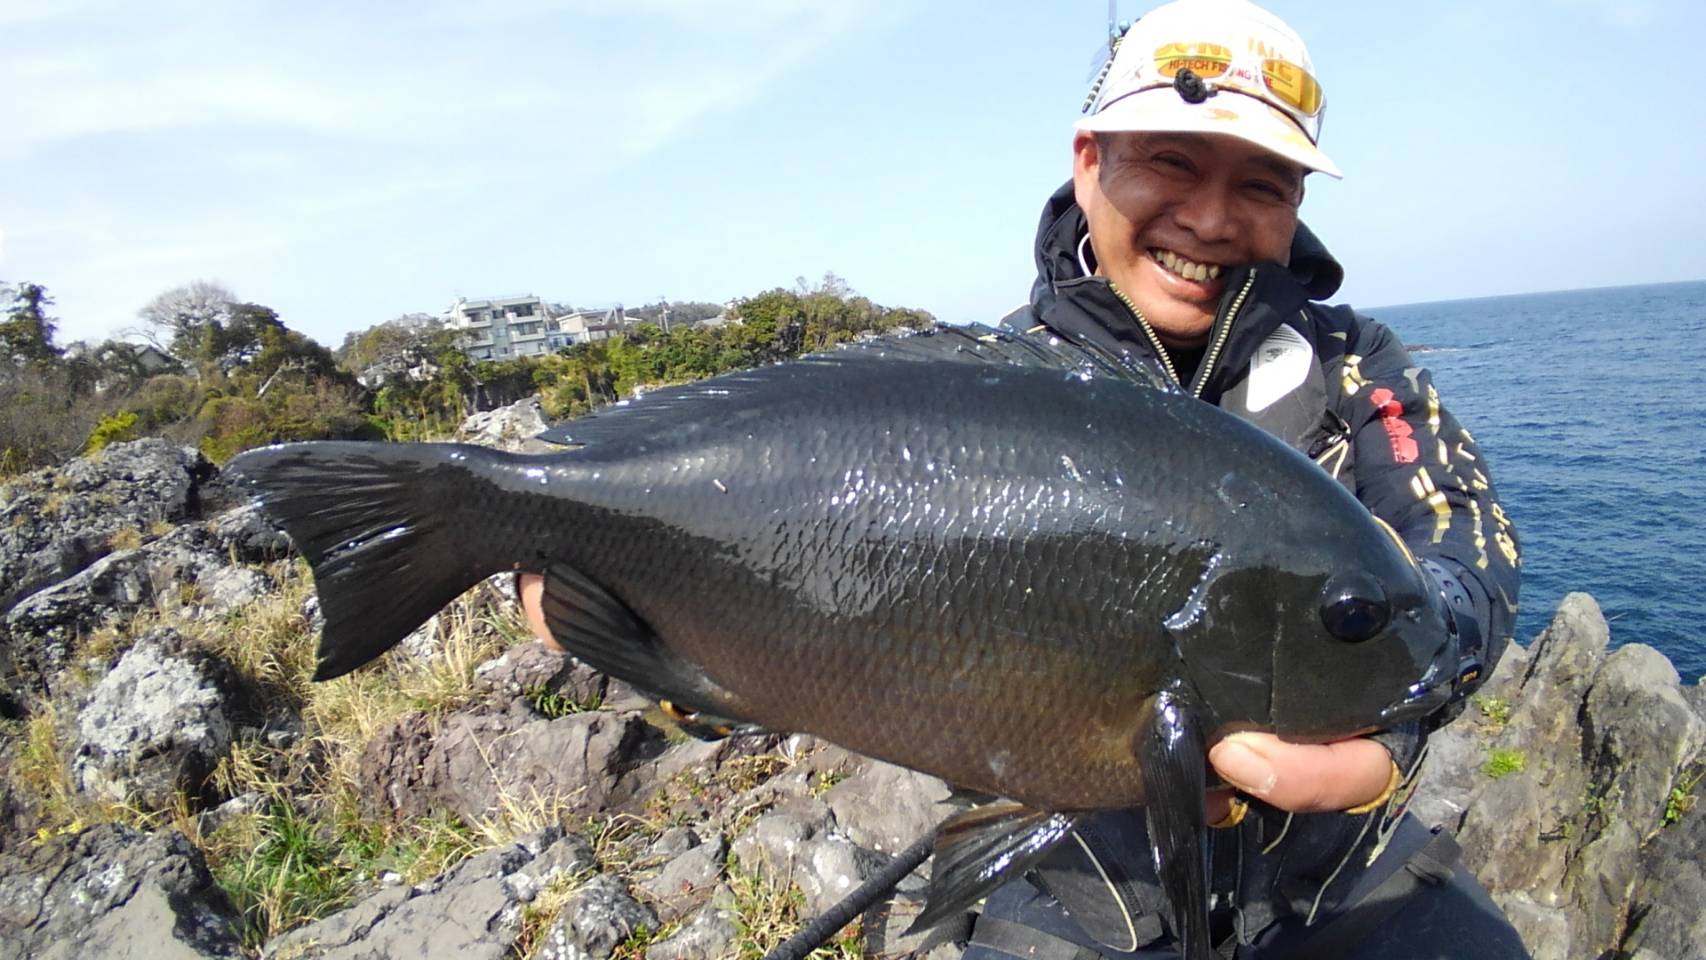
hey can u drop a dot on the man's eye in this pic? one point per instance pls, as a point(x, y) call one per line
point(1173, 160)
point(1268, 190)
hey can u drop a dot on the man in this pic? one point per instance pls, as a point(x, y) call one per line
point(1177, 244)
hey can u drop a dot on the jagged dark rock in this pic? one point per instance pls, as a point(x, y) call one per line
point(535, 670)
point(158, 723)
point(472, 912)
point(185, 569)
point(56, 521)
point(600, 917)
point(705, 936)
point(475, 762)
point(801, 843)
point(113, 892)
point(687, 880)
point(1557, 777)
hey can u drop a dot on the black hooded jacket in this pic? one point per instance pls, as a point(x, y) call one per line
point(1342, 389)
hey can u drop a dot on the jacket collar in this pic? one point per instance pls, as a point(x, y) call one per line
point(1085, 308)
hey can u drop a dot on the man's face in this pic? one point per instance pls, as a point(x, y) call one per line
point(1172, 214)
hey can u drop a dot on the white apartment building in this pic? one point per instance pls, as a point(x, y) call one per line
point(503, 328)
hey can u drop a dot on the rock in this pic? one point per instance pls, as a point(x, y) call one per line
point(1600, 740)
point(797, 843)
point(1666, 916)
point(601, 916)
point(533, 668)
point(1639, 733)
point(158, 723)
point(475, 763)
point(1455, 754)
point(55, 522)
point(113, 893)
point(473, 911)
point(687, 880)
point(1521, 831)
point(885, 808)
point(511, 428)
point(706, 936)
point(1695, 694)
point(246, 533)
point(184, 569)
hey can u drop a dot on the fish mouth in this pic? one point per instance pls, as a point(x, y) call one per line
point(1423, 697)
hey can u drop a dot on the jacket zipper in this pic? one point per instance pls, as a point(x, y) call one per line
point(1223, 328)
point(1207, 367)
point(1154, 341)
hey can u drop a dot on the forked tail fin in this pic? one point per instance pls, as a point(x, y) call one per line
point(379, 523)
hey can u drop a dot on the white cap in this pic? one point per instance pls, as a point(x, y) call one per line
point(1256, 71)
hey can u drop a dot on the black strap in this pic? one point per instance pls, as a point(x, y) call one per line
point(1433, 864)
point(1029, 943)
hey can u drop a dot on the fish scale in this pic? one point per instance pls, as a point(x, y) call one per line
point(993, 564)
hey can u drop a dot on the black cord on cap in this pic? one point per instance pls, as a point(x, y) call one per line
point(1191, 87)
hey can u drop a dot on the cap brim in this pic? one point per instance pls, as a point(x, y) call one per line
point(1228, 112)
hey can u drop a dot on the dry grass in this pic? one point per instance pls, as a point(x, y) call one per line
point(767, 913)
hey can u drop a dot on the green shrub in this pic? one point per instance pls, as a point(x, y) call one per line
point(115, 428)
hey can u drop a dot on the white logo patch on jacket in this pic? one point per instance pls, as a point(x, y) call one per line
point(1280, 365)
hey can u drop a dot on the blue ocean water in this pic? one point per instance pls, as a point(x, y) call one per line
point(1590, 406)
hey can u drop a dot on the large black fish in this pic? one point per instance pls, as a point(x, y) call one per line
point(1035, 575)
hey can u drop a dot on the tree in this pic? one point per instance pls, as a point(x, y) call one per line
point(391, 347)
point(26, 335)
point(181, 317)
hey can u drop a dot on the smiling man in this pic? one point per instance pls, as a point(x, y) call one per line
point(1177, 244)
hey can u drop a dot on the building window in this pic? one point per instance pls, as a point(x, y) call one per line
point(474, 316)
point(522, 310)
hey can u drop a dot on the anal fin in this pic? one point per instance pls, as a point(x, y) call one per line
point(981, 849)
point(1173, 757)
point(598, 629)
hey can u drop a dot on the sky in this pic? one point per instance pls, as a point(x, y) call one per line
point(349, 163)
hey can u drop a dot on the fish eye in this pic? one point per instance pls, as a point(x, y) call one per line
point(1354, 608)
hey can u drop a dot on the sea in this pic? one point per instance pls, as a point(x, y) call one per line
point(1590, 407)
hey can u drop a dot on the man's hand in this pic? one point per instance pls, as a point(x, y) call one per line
point(1300, 777)
point(1303, 778)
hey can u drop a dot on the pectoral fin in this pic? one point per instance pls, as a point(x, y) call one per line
point(1172, 755)
point(981, 849)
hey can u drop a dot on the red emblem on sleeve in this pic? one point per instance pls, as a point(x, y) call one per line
point(1404, 449)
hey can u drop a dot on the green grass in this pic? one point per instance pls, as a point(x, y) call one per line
point(292, 874)
point(1503, 763)
point(768, 911)
point(1681, 798)
point(553, 705)
point(1495, 711)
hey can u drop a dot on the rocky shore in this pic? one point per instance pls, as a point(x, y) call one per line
point(172, 786)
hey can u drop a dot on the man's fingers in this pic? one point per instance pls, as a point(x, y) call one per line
point(1303, 777)
point(531, 586)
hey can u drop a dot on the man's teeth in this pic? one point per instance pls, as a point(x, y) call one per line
point(1185, 268)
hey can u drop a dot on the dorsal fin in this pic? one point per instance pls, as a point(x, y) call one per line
point(973, 343)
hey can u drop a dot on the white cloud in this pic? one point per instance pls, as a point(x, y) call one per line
point(212, 140)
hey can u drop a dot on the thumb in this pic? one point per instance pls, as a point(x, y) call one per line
point(1303, 777)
